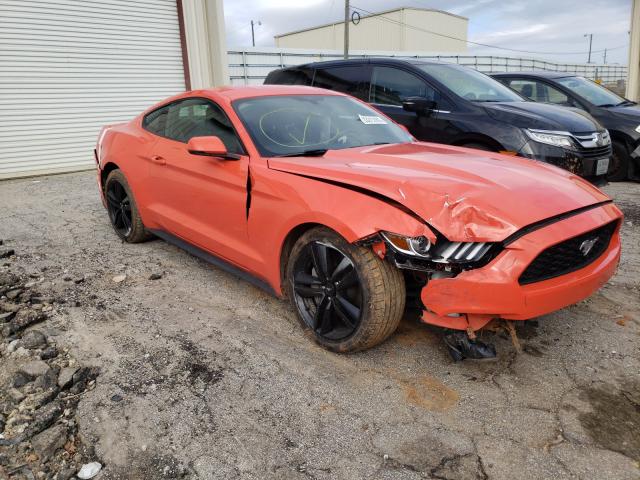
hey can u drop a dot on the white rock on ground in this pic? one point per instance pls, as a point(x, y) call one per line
point(89, 470)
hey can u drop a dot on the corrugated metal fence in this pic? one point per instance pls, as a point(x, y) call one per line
point(251, 66)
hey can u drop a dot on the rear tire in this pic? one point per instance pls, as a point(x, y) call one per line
point(619, 168)
point(123, 210)
point(344, 294)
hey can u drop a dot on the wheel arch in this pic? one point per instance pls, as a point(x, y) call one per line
point(106, 170)
point(617, 135)
point(289, 241)
point(478, 138)
point(391, 219)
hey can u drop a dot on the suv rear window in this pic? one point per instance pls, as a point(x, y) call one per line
point(353, 80)
point(392, 85)
point(289, 76)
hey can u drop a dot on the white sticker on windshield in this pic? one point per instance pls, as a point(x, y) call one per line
point(372, 120)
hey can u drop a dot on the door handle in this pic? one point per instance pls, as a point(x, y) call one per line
point(158, 159)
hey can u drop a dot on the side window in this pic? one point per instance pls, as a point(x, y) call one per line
point(289, 76)
point(156, 121)
point(526, 88)
point(392, 85)
point(353, 80)
point(540, 92)
point(553, 95)
point(197, 117)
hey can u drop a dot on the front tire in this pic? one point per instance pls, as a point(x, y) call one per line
point(619, 162)
point(345, 295)
point(122, 209)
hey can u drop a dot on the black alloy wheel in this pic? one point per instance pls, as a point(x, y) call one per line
point(346, 296)
point(119, 208)
point(327, 291)
point(123, 210)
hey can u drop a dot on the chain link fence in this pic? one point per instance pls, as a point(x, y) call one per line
point(251, 66)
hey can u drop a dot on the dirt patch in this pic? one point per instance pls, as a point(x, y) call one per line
point(614, 423)
point(428, 393)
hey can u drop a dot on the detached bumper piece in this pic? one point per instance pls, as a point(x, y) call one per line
point(460, 346)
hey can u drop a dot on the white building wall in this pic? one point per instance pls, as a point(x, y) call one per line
point(438, 22)
point(206, 43)
point(633, 82)
point(396, 31)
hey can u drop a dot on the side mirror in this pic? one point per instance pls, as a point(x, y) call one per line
point(210, 147)
point(419, 105)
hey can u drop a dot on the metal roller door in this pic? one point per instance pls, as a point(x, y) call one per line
point(71, 66)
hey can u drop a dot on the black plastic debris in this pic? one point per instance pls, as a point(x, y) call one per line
point(460, 346)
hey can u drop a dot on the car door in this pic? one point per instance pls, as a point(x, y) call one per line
point(391, 85)
point(201, 199)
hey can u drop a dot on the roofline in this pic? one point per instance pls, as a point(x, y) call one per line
point(372, 15)
point(538, 73)
point(367, 60)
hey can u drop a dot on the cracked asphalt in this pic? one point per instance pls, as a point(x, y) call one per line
point(214, 379)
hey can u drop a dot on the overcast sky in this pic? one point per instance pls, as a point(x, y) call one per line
point(540, 25)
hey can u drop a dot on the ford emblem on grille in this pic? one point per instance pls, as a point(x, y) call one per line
point(587, 245)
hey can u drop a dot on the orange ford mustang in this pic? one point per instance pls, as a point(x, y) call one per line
point(323, 199)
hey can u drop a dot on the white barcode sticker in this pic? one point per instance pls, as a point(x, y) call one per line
point(372, 120)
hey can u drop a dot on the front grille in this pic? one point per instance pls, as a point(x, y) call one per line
point(568, 256)
point(595, 152)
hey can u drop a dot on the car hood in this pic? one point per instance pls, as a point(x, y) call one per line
point(542, 116)
point(465, 194)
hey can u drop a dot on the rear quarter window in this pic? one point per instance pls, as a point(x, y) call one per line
point(156, 121)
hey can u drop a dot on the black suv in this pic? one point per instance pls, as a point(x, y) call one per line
point(618, 115)
point(447, 103)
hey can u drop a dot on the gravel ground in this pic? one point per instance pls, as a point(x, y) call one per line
point(204, 376)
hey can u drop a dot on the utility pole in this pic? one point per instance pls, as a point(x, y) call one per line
point(346, 29)
point(590, 35)
point(253, 36)
point(605, 56)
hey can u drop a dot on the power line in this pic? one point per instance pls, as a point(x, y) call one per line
point(378, 17)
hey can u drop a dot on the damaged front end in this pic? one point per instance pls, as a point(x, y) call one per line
point(543, 267)
point(423, 261)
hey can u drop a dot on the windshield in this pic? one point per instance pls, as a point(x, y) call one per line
point(591, 91)
point(470, 84)
point(294, 124)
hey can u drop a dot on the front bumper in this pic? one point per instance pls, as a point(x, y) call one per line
point(475, 297)
point(574, 161)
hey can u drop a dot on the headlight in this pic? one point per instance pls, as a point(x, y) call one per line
point(558, 139)
point(638, 129)
point(415, 246)
point(442, 252)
